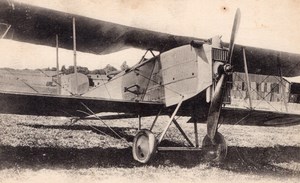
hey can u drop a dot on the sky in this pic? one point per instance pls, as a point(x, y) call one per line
point(272, 24)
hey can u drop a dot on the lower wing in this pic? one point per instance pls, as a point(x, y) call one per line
point(72, 106)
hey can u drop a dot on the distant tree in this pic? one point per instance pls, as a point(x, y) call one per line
point(109, 68)
point(70, 70)
point(53, 69)
point(63, 69)
point(83, 70)
point(98, 71)
point(124, 66)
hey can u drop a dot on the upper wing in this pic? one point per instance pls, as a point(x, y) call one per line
point(266, 62)
point(39, 26)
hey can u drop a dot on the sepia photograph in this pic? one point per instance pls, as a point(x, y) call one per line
point(149, 91)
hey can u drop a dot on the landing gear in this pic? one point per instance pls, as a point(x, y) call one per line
point(144, 146)
point(217, 151)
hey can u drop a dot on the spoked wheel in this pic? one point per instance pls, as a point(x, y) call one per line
point(215, 152)
point(144, 146)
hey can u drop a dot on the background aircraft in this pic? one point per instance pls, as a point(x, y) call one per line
point(190, 77)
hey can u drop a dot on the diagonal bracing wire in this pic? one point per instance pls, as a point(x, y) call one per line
point(92, 113)
point(19, 79)
point(263, 97)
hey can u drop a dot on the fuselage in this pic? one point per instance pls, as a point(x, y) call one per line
point(182, 74)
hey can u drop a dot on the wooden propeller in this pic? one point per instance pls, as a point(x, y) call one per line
point(220, 89)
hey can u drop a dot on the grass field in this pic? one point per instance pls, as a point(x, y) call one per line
point(49, 149)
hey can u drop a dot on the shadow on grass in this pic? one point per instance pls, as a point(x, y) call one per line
point(122, 131)
point(257, 160)
point(240, 159)
point(261, 160)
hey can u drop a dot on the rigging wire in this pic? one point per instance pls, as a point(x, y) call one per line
point(19, 79)
point(92, 113)
point(263, 97)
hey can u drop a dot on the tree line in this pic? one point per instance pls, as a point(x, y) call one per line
point(84, 70)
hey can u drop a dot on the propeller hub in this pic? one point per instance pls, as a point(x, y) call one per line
point(224, 69)
point(227, 68)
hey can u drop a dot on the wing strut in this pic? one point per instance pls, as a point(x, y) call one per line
point(57, 66)
point(74, 50)
point(283, 88)
point(247, 78)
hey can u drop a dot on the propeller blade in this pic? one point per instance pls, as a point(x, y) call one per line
point(217, 99)
point(214, 109)
point(235, 27)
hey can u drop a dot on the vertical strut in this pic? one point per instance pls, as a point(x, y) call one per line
point(283, 86)
point(196, 134)
point(140, 122)
point(74, 50)
point(57, 67)
point(247, 78)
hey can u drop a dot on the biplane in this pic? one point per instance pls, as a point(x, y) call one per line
point(208, 80)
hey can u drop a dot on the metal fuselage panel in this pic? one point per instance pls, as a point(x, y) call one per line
point(177, 74)
point(186, 71)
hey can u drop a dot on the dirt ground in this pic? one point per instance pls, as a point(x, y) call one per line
point(49, 149)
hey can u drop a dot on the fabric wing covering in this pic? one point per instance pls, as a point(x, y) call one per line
point(39, 25)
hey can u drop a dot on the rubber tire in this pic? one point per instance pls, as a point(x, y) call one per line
point(215, 152)
point(144, 140)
